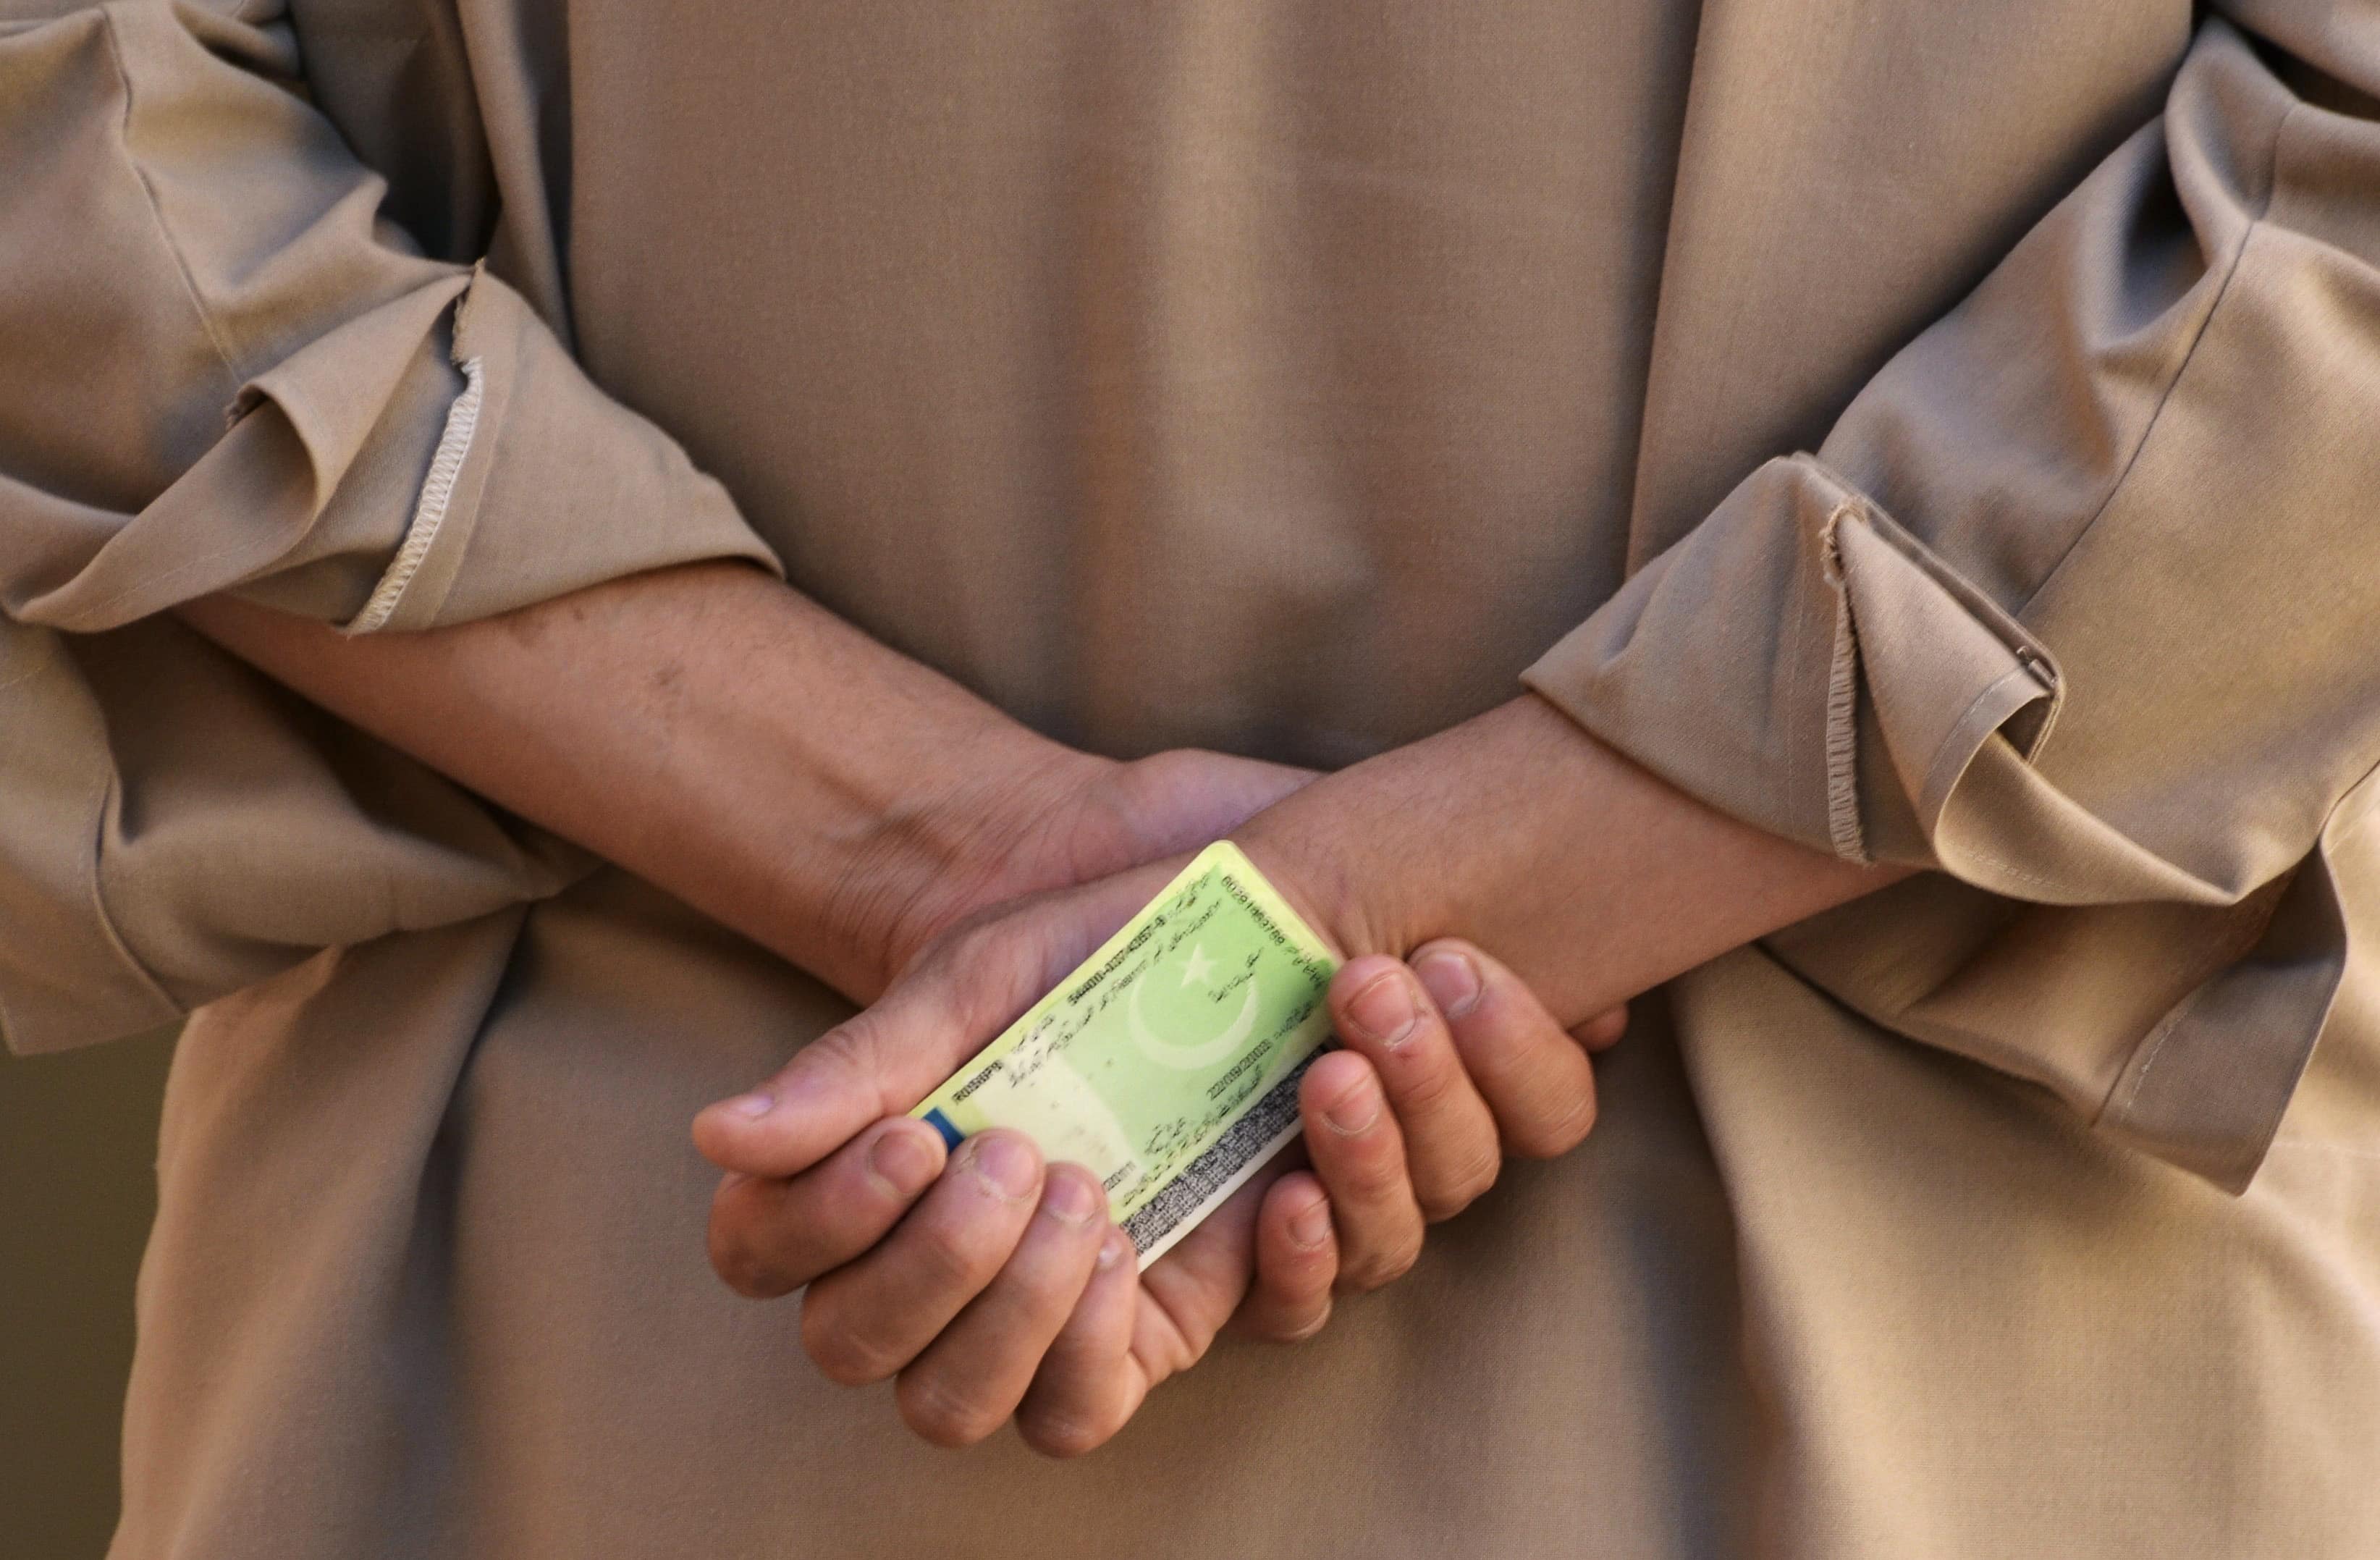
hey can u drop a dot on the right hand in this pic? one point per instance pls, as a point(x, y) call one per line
point(997, 1285)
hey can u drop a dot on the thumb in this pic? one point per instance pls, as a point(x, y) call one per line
point(881, 1061)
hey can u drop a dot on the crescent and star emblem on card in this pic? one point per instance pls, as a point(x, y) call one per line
point(1198, 969)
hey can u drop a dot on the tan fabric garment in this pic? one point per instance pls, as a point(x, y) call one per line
point(1409, 340)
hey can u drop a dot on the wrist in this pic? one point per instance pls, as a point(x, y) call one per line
point(1591, 877)
point(1351, 853)
point(1047, 816)
point(722, 736)
point(1000, 822)
point(1430, 839)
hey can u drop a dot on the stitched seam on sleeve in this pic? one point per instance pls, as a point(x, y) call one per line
point(2164, 397)
point(1843, 829)
point(157, 212)
point(2166, 1026)
point(430, 513)
point(1948, 753)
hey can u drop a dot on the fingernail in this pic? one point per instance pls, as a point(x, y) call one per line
point(1452, 982)
point(1353, 1111)
point(1004, 1163)
point(904, 1161)
point(1311, 1227)
point(1385, 1009)
point(1113, 1249)
point(755, 1103)
point(1071, 1199)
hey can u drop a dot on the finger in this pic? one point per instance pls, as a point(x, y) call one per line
point(852, 1075)
point(1382, 1014)
point(1297, 1261)
point(972, 1377)
point(1188, 1294)
point(1352, 1136)
point(1602, 1031)
point(882, 1061)
point(868, 1318)
point(1089, 1385)
point(769, 1237)
point(1535, 1079)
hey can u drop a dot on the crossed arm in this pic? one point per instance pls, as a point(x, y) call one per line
point(1501, 888)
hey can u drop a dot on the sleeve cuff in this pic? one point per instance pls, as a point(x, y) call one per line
point(1801, 662)
point(364, 482)
point(540, 484)
point(1804, 664)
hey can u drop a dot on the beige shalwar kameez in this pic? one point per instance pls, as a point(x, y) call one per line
point(1422, 347)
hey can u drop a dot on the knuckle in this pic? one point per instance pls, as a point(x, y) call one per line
point(750, 1276)
point(838, 1361)
point(1384, 1267)
point(1494, 1050)
point(1553, 1136)
point(992, 965)
point(941, 1414)
point(1374, 1172)
point(1060, 1435)
point(1000, 943)
point(1294, 1325)
point(1347, 1105)
point(1360, 974)
point(1428, 1086)
point(1332, 1074)
point(842, 1355)
point(1464, 1185)
point(949, 1260)
point(739, 1263)
point(1044, 1289)
point(844, 1055)
point(1375, 1182)
point(1309, 1327)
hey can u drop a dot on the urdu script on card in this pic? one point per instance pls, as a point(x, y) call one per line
point(1167, 1062)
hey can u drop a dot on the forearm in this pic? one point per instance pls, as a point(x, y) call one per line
point(713, 731)
point(1592, 878)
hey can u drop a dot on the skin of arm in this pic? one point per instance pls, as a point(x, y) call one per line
point(1591, 879)
point(715, 732)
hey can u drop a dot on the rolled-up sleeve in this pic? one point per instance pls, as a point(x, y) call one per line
point(2075, 604)
point(222, 370)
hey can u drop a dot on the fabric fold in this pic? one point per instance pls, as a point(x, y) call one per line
point(1922, 742)
point(273, 393)
point(2070, 606)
